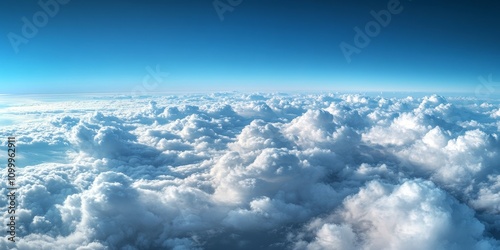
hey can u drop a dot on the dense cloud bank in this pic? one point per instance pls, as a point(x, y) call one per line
point(273, 171)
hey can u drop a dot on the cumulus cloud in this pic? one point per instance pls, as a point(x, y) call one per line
point(255, 171)
point(412, 215)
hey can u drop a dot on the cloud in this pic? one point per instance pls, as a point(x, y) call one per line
point(412, 215)
point(258, 171)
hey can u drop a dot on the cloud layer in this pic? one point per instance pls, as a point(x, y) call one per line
point(259, 171)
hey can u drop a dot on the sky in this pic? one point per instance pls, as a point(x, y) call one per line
point(249, 45)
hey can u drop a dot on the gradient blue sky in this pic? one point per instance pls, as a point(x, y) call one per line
point(267, 45)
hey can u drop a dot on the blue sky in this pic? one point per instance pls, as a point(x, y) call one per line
point(107, 46)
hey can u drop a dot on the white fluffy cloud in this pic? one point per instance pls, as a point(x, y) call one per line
point(259, 171)
point(412, 215)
